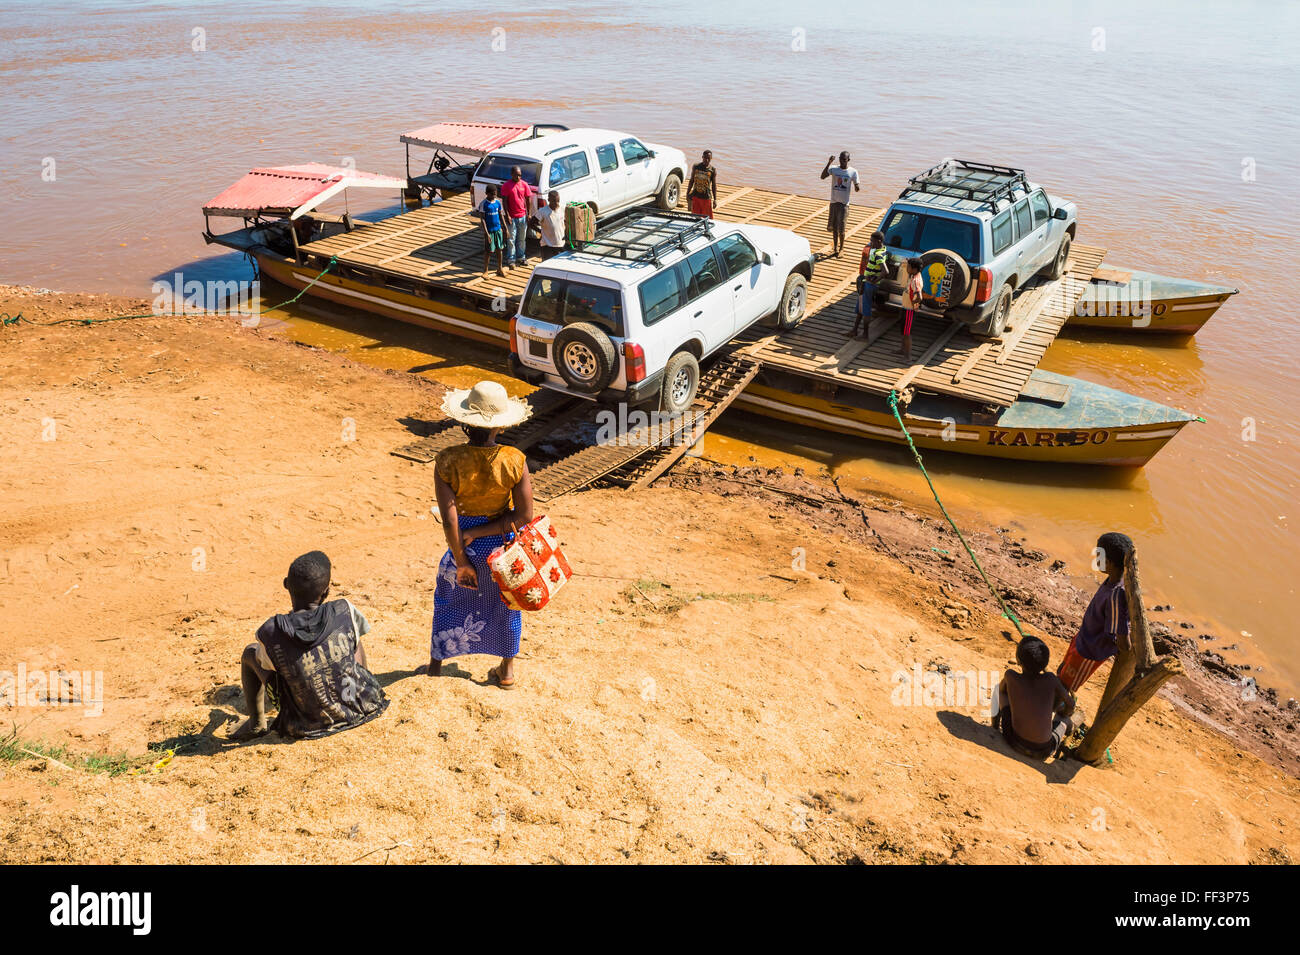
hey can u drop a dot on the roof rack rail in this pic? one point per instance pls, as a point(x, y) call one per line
point(975, 181)
point(646, 234)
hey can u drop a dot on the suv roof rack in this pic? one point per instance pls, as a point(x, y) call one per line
point(645, 234)
point(976, 181)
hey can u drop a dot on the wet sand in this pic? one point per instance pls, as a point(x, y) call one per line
point(692, 696)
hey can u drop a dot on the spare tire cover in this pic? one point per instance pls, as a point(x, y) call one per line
point(585, 357)
point(945, 276)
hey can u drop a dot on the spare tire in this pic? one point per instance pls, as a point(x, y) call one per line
point(945, 276)
point(585, 357)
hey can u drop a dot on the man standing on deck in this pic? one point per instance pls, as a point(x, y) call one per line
point(872, 270)
point(844, 183)
point(1104, 628)
point(550, 221)
point(516, 195)
point(703, 193)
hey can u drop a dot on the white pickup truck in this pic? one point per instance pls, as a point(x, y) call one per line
point(608, 170)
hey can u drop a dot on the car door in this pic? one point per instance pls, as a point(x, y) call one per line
point(642, 179)
point(1045, 237)
point(611, 182)
point(710, 301)
point(570, 174)
point(1026, 243)
point(751, 297)
point(1002, 249)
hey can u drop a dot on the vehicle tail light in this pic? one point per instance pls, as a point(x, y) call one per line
point(514, 337)
point(984, 286)
point(634, 360)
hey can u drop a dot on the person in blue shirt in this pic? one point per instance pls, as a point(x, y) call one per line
point(491, 214)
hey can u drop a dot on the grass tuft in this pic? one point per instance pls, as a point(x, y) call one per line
point(14, 750)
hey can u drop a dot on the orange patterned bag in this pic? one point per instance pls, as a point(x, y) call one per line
point(530, 569)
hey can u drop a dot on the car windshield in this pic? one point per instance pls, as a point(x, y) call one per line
point(563, 302)
point(498, 168)
point(914, 232)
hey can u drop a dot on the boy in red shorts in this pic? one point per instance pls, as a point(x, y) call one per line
point(1104, 628)
point(703, 192)
point(912, 293)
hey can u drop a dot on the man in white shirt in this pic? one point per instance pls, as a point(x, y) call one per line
point(844, 182)
point(550, 220)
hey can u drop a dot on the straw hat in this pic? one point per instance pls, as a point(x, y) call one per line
point(486, 405)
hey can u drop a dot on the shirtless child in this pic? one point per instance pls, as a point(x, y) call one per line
point(1036, 713)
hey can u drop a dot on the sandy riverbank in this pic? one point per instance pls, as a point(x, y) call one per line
point(693, 697)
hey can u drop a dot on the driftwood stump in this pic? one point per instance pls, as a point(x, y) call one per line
point(1135, 676)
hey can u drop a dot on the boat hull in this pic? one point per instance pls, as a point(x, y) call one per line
point(1149, 303)
point(1015, 435)
point(447, 314)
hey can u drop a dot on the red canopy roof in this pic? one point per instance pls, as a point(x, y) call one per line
point(294, 189)
point(468, 138)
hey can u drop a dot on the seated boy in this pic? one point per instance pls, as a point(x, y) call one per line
point(314, 657)
point(1036, 713)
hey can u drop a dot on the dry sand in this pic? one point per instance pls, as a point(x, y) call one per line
point(691, 697)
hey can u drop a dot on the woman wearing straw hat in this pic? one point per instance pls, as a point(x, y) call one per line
point(483, 490)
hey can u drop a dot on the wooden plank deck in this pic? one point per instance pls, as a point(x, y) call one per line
point(963, 365)
point(441, 245)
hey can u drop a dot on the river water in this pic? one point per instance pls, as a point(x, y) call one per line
point(1172, 125)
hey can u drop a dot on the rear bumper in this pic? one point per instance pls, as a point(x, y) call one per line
point(632, 395)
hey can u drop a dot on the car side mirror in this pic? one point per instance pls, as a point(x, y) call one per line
point(767, 259)
point(650, 153)
point(1060, 213)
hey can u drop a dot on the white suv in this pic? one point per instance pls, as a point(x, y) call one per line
point(630, 317)
point(609, 171)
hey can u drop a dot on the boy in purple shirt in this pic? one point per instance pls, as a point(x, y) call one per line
point(1104, 628)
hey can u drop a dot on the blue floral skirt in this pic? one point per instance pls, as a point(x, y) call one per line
point(473, 621)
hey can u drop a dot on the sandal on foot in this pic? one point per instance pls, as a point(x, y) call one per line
point(495, 677)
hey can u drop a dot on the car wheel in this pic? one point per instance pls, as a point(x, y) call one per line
point(996, 323)
point(671, 192)
point(1062, 255)
point(681, 379)
point(584, 357)
point(794, 302)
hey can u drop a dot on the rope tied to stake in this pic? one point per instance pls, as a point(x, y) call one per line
point(1006, 611)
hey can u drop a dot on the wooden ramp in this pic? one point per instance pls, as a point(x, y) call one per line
point(660, 446)
point(719, 389)
point(635, 457)
point(551, 411)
